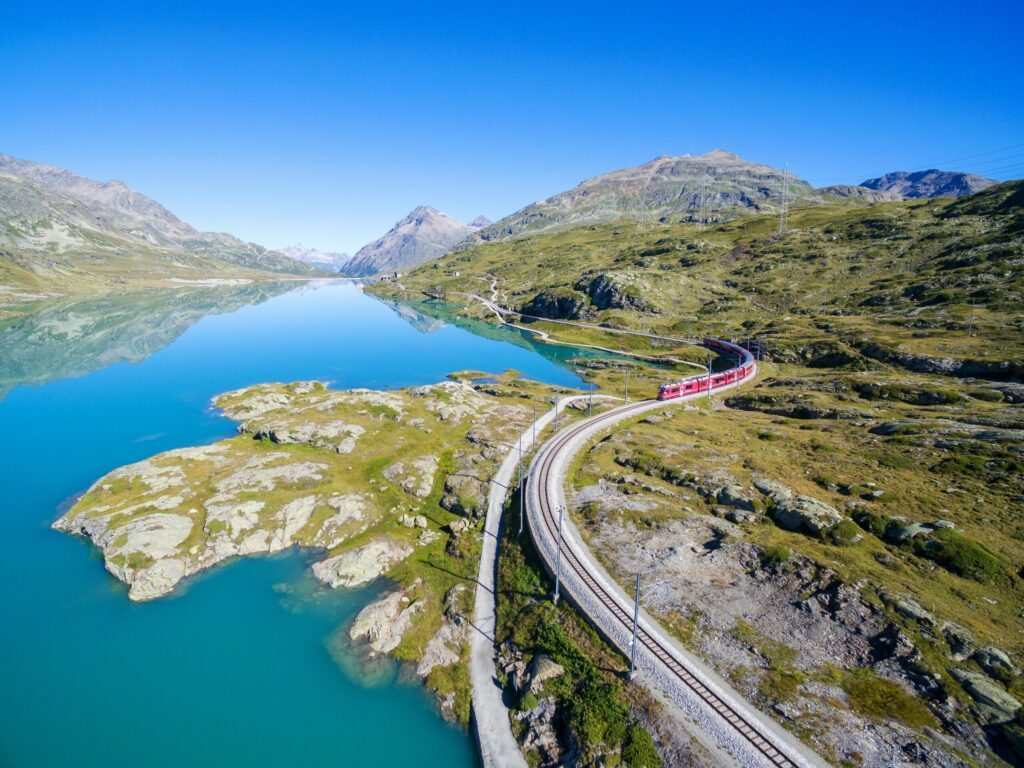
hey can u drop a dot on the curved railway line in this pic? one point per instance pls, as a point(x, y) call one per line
point(734, 725)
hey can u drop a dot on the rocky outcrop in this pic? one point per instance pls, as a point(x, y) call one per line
point(362, 564)
point(414, 476)
point(446, 645)
point(611, 291)
point(383, 623)
point(796, 512)
point(558, 304)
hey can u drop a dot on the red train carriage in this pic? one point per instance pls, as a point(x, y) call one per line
point(698, 383)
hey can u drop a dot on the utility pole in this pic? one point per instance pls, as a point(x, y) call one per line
point(520, 485)
point(711, 362)
point(591, 401)
point(784, 208)
point(558, 557)
point(534, 425)
point(636, 615)
point(625, 389)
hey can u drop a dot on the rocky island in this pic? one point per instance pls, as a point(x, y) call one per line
point(377, 482)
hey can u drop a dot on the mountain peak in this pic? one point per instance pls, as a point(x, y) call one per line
point(667, 188)
point(719, 154)
point(424, 234)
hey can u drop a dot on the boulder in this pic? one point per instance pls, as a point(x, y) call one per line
point(361, 565)
point(995, 663)
point(541, 669)
point(990, 696)
point(796, 512)
point(961, 642)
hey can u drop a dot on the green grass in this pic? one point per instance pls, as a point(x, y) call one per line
point(883, 700)
point(595, 704)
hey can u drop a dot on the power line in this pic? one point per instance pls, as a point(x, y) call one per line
point(980, 154)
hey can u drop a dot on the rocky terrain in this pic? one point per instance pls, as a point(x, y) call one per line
point(425, 234)
point(66, 233)
point(858, 603)
point(364, 477)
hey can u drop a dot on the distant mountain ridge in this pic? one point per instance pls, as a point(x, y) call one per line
point(424, 234)
point(328, 260)
point(930, 183)
point(665, 189)
point(64, 227)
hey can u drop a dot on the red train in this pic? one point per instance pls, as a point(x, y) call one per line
point(701, 382)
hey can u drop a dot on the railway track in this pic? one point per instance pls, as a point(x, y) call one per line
point(757, 743)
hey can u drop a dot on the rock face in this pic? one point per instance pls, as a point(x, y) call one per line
point(558, 304)
point(611, 291)
point(932, 183)
point(361, 565)
point(797, 512)
point(425, 234)
point(664, 189)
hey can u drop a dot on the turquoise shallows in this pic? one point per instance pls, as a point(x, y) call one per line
point(242, 667)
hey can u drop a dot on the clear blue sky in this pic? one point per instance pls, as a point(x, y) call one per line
point(327, 122)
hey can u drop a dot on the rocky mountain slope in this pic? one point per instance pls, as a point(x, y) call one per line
point(861, 495)
point(425, 234)
point(931, 183)
point(662, 190)
point(61, 229)
point(327, 260)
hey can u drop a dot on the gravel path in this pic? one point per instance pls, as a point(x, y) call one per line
point(491, 724)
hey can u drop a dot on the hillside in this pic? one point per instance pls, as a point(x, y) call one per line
point(887, 411)
point(425, 234)
point(63, 232)
point(666, 189)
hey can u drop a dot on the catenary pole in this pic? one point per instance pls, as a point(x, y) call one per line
point(558, 557)
point(636, 616)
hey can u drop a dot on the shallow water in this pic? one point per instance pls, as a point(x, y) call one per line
point(243, 666)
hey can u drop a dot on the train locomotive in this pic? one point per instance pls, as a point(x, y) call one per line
point(703, 382)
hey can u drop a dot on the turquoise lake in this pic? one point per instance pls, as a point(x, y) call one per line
point(242, 666)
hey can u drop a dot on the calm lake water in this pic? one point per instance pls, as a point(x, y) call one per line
point(242, 667)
